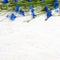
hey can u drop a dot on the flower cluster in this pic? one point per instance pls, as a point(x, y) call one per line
point(31, 8)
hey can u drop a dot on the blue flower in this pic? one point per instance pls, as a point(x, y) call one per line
point(46, 8)
point(29, 0)
point(12, 17)
point(5, 1)
point(22, 12)
point(17, 8)
point(56, 5)
point(15, 0)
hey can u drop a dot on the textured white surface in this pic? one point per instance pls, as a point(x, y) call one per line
point(36, 40)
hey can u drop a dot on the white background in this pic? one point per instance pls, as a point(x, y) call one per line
point(36, 40)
